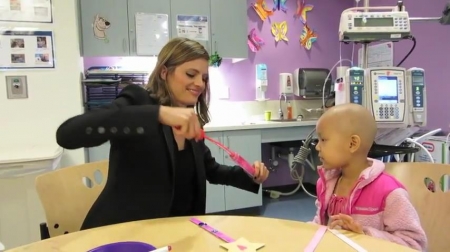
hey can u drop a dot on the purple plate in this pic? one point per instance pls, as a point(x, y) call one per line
point(124, 247)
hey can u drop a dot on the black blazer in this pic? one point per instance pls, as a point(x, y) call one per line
point(142, 158)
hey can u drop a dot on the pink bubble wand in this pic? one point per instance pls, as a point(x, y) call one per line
point(238, 159)
point(244, 164)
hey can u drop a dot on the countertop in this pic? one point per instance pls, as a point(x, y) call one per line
point(226, 126)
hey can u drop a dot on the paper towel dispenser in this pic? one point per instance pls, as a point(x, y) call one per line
point(308, 82)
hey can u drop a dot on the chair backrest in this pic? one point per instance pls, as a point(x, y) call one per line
point(67, 194)
point(427, 184)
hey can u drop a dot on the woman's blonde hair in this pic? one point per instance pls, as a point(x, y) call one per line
point(177, 52)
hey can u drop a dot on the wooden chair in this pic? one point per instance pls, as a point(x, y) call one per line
point(67, 194)
point(420, 179)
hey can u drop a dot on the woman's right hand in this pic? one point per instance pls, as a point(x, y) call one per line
point(184, 121)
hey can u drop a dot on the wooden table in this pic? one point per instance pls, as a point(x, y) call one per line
point(278, 236)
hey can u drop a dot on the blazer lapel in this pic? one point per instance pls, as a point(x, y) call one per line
point(201, 175)
point(199, 166)
point(168, 135)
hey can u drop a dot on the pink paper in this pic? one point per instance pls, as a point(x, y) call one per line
point(316, 239)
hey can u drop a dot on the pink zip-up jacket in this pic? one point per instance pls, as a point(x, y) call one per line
point(379, 203)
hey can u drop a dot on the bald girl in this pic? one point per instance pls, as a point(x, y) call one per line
point(346, 133)
point(352, 120)
point(353, 191)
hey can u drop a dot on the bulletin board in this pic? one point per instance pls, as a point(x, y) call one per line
point(26, 50)
point(35, 11)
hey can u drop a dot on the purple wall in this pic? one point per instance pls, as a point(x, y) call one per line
point(282, 57)
point(287, 57)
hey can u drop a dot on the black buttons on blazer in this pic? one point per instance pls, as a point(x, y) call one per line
point(101, 130)
point(113, 130)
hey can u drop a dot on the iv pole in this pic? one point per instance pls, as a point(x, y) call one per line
point(364, 51)
point(445, 20)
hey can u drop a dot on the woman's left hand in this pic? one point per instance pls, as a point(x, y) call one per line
point(261, 172)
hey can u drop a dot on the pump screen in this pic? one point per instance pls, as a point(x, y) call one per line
point(387, 89)
point(374, 22)
point(417, 79)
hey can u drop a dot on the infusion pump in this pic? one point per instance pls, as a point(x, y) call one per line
point(387, 96)
point(395, 96)
point(356, 26)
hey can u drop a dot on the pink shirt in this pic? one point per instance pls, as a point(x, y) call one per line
point(337, 205)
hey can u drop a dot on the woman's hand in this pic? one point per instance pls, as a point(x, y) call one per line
point(261, 172)
point(184, 121)
point(345, 222)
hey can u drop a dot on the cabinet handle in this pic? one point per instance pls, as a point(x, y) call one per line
point(124, 45)
point(224, 154)
point(228, 145)
point(220, 149)
point(134, 45)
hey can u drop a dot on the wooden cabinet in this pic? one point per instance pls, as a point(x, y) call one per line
point(108, 27)
point(229, 28)
point(98, 153)
point(191, 7)
point(104, 28)
point(136, 6)
point(215, 194)
point(248, 144)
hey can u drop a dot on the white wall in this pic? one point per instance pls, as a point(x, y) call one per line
point(54, 95)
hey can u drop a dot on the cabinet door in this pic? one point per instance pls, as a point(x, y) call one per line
point(215, 194)
point(248, 144)
point(104, 26)
point(135, 6)
point(229, 28)
point(192, 7)
point(99, 153)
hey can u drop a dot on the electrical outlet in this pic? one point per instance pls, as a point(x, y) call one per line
point(17, 87)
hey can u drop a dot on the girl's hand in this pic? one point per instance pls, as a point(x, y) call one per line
point(346, 222)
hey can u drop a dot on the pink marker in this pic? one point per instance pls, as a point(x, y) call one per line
point(163, 249)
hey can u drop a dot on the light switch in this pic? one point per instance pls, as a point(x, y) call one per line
point(17, 87)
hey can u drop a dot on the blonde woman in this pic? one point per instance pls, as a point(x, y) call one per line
point(158, 166)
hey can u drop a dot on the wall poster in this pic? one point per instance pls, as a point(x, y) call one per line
point(26, 49)
point(152, 33)
point(36, 11)
point(193, 27)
